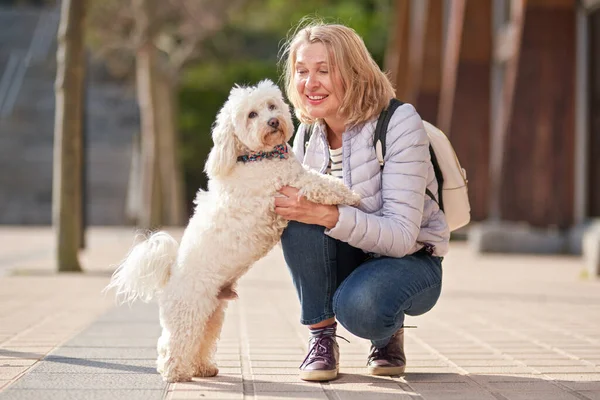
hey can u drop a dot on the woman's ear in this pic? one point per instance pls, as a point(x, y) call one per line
point(222, 157)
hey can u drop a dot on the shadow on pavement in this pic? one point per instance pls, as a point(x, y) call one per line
point(84, 362)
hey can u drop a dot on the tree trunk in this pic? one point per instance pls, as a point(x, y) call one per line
point(173, 195)
point(67, 168)
point(150, 213)
point(398, 48)
point(133, 203)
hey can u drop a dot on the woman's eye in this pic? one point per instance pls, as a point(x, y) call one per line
point(252, 114)
point(324, 72)
point(272, 107)
point(301, 72)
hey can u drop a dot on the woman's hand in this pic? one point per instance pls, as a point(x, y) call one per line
point(296, 207)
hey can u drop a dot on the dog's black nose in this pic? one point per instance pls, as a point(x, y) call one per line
point(273, 123)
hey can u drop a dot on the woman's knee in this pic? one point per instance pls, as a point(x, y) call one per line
point(299, 235)
point(303, 245)
point(363, 314)
point(424, 301)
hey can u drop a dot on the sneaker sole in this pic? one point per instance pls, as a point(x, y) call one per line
point(319, 375)
point(387, 371)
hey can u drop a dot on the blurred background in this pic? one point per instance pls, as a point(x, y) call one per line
point(106, 105)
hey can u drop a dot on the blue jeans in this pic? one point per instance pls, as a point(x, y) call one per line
point(368, 296)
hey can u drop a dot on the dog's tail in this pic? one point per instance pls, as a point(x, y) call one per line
point(146, 269)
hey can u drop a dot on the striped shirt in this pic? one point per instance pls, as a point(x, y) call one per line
point(335, 163)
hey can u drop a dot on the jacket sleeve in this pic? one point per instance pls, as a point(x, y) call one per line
point(404, 178)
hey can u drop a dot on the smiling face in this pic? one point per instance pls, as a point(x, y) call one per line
point(319, 86)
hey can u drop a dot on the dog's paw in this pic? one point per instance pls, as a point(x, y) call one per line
point(175, 376)
point(206, 370)
point(353, 199)
point(160, 365)
point(174, 372)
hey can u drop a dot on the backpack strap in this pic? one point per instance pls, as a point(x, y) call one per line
point(308, 130)
point(381, 128)
point(439, 177)
point(379, 144)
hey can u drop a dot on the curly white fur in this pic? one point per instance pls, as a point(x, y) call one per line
point(153, 258)
point(233, 226)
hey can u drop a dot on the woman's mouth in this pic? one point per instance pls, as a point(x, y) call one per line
point(316, 99)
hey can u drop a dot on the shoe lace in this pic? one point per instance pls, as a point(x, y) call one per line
point(321, 348)
point(378, 354)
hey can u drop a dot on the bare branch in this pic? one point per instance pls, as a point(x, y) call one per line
point(178, 28)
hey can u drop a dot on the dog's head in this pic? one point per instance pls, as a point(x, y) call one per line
point(253, 119)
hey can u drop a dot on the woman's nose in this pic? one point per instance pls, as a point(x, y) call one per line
point(312, 81)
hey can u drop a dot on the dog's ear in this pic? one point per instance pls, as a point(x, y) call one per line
point(222, 157)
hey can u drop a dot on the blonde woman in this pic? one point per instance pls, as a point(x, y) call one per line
point(368, 266)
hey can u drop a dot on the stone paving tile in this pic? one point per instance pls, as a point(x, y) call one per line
point(16, 362)
point(147, 353)
point(498, 370)
point(592, 395)
point(583, 385)
point(277, 378)
point(208, 385)
point(11, 372)
point(540, 356)
point(438, 369)
point(356, 390)
point(89, 381)
point(436, 378)
point(553, 369)
point(552, 362)
point(298, 386)
point(114, 342)
point(271, 371)
point(555, 394)
point(377, 395)
point(386, 386)
point(463, 394)
point(292, 396)
point(275, 364)
point(58, 365)
point(197, 395)
point(102, 394)
point(486, 379)
point(523, 386)
point(575, 377)
point(484, 363)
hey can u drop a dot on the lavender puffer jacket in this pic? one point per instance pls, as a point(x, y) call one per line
point(395, 216)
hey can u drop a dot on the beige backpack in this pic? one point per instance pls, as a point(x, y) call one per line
point(453, 196)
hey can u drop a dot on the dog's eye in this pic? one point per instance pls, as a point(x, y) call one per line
point(272, 107)
point(252, 114)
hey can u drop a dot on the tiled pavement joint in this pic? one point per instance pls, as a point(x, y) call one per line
point(247, 381)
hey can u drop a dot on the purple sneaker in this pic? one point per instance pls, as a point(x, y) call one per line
point(389, 360)
point(322, 361)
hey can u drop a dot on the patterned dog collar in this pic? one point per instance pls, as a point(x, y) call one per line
point(280, 151)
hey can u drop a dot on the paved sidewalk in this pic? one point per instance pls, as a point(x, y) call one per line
point(505, 328)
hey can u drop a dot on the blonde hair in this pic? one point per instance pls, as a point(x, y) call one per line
point(367, 89)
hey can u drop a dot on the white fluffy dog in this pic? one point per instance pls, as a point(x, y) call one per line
point(233, 226)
